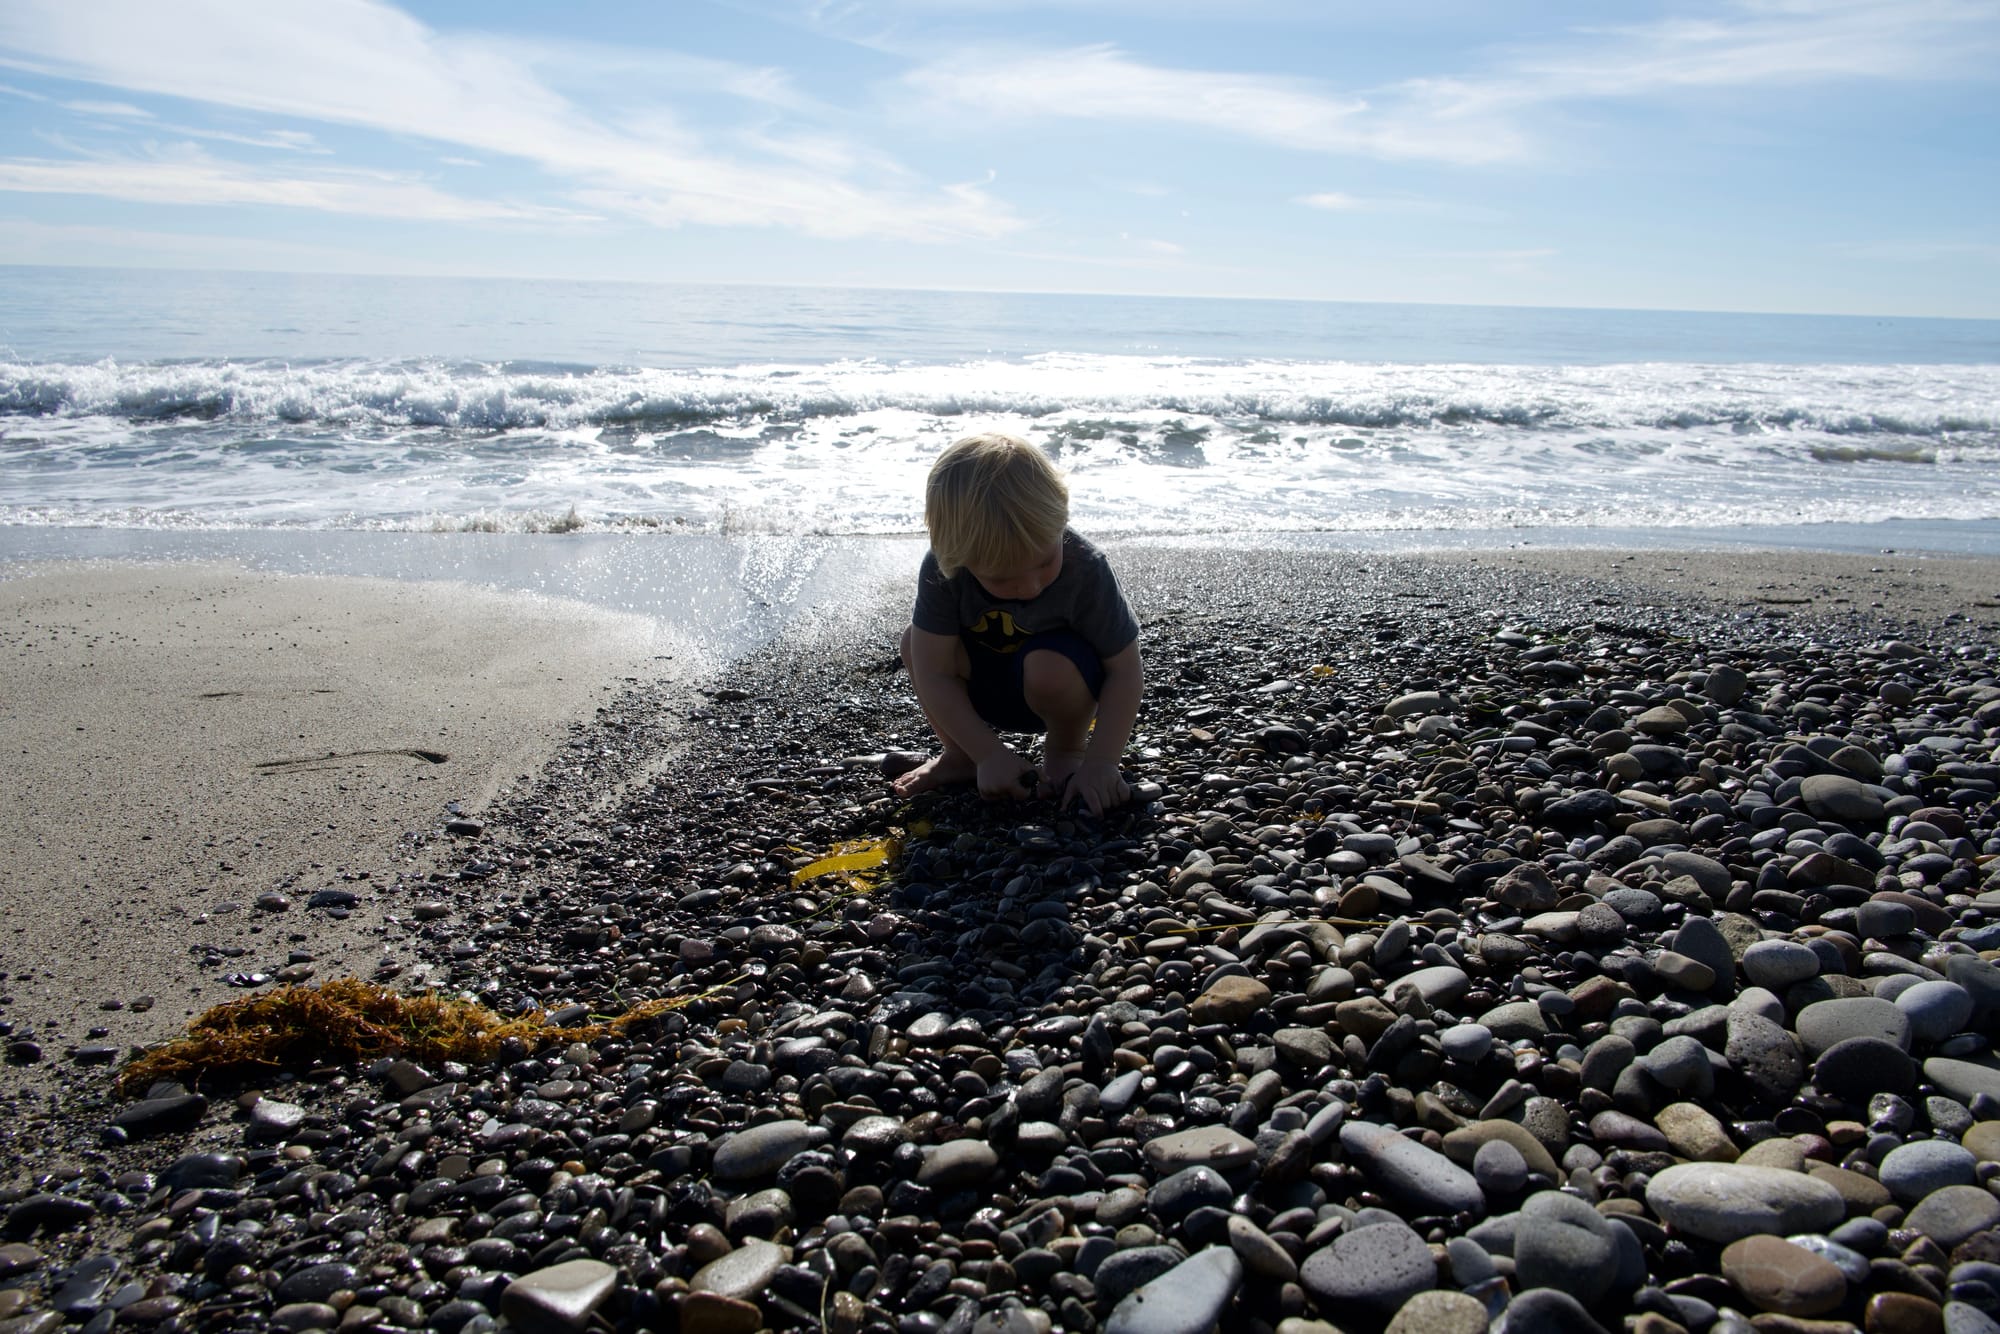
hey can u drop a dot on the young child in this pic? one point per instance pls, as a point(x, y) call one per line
point(1019, 627)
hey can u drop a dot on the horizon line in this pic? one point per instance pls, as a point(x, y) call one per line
point(993, 291)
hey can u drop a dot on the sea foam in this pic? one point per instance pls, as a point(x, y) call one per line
point(1153, 444)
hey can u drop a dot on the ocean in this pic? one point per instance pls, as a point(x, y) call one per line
point(730, 459)
point(167, 400)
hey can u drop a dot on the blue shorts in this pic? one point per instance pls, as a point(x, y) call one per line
point(996, 689)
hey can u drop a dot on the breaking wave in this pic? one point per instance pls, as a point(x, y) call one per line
point(1929, 402)
point(1151, 444)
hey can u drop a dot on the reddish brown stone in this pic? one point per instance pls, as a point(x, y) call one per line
point(1598, 995)
point(1231, 1001)
point(1903, 1313)
point(1781, 1277)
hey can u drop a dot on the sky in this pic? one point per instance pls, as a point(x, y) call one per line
point(1825, 156)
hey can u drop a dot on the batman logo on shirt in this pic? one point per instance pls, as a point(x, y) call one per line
point(996, 632)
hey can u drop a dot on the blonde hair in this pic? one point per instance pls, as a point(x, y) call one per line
point(993, 501)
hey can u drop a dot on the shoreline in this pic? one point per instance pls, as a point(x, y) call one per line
point(601, 895)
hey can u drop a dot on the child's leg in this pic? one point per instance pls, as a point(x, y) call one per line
point(1055, 689)
point(951, 764)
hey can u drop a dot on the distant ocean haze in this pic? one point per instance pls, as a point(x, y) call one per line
point(227, 401)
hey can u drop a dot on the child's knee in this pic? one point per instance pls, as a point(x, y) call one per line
point(903, 647)
point(1050, 678)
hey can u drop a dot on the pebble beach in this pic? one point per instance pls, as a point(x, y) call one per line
point(1509, 941)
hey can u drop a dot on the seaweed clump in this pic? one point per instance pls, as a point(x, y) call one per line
point(346, 1020)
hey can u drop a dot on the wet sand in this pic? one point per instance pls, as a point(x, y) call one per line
point(179, 740)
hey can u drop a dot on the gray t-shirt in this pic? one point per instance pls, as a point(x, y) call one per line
point(1084, 599)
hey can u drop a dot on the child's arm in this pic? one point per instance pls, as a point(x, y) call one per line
point(934, 671)
point(1098, 783)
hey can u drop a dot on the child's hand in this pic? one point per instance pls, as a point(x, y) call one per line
point(1098, 785)
point(1005, 774)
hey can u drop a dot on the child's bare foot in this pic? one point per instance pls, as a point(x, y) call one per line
point(942, 770)
point(1057, 766)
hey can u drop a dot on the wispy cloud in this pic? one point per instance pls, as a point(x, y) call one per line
point(1104, 83)
point(116, 110)
point(363, 63)
point(289, 141)
point(1761, 42)
point(597, 64)
point(1751, 44)
point(1475, 116)
point(1332, 201)
point(188, 176)
point(1339, 201)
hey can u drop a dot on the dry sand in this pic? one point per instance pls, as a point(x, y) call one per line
point(180, 739)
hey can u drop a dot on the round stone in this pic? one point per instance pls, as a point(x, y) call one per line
point(1633, 904)
point(1499, 1168)
point(1963, 1080)
point(1838, 797)
point(1185, 1191)
point(743, 1273)
point(1912, 1171)
point(1982, 1140)
point(1935, 1010)
point(1468, 1043)
point(1724, 1202)
point(1778, 964)
point(316, 1283)
point(1463, 1145)
point(1826, 1022)
point(1857, 1067)
point(1884, 919)
point(1563, 1243)
point(1679, 1063)
point(761, 1150)
point(1695, 1134)
point(1231, 1000)
point(1781, 1277)
point(1378, 1268)
point(1440, 1312)
point(1550, 1311)
point(1902, 1313)
point(958, 1163)
point(1765, 1055)
point(874, 1135)
point(1951, 1215)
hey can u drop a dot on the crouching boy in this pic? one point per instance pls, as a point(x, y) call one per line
point(1019, 626)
